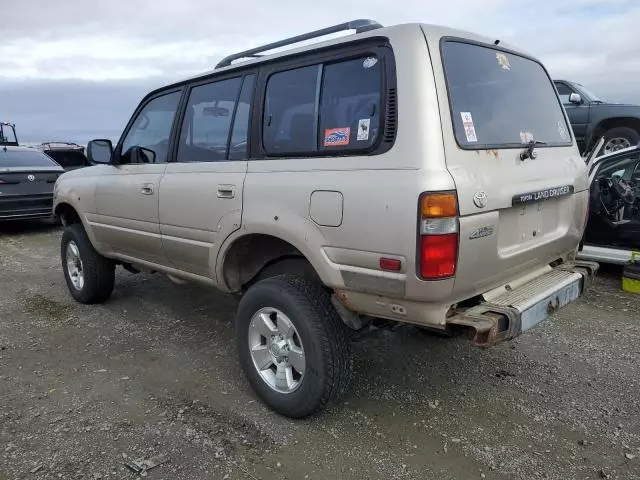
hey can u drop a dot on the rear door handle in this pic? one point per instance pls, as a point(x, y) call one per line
point(146, 189)
point(226, 191)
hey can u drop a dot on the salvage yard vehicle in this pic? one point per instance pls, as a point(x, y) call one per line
point(68, 155)
point(8, 134)
point(411, 173)
point(592, 118)
point(27, 179)
point(612, 234)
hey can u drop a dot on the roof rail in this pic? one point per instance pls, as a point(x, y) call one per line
point(360, 25)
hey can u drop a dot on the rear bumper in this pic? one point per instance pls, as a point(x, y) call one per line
point(502, 314)
point(508, 315)
point(17, 207)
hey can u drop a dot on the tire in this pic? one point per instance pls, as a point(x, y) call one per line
point(619, 137)
point(318, 332)
point(98, 272)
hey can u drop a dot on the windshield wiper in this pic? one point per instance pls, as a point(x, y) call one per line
point(529, 153)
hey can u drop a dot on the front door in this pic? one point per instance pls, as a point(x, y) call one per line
point(201, 191)
point(126, 219)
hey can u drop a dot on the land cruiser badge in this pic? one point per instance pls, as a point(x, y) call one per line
point(485, 231)
point(480, 199)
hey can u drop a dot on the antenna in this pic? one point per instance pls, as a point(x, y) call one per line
point(360, 25)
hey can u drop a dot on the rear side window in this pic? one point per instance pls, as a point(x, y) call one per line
point(499, 99)
point(332, 107)
point(289, 114)
point(25, 158)
point(350, 104)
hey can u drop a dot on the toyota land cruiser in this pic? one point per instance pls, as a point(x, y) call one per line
point(410, 173)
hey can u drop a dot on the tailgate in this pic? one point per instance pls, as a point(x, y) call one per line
point(521, 183)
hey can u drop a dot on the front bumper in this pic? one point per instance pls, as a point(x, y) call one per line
point(517, 310)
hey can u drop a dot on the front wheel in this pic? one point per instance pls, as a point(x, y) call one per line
point(90, 276)
point(293, 347)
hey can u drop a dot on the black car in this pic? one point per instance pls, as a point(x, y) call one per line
point(613, 228)
point(27, 178)
point(68, 155)
point(592, 118)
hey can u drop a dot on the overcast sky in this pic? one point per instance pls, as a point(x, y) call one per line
point(76, 69)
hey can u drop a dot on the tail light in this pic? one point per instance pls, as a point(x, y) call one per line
point(438, 243)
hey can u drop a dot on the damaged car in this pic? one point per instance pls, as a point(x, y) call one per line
point(612, 234)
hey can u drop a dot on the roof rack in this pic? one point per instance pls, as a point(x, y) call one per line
point(360, 25)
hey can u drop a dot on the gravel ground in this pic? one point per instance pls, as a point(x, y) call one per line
point(85, 389)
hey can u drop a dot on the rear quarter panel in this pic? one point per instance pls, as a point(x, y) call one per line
point(380, 192)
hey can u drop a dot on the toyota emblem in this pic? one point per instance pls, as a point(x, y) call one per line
point(480, 199)
point(31, 177)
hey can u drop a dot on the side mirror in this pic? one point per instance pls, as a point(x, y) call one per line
point(138, 155)
point(575, 98)
point(99, 151)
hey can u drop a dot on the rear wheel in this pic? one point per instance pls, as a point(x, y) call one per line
point(90, 276)
point(293, 347)
point(618, 138)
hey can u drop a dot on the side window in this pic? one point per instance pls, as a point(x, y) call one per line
point(289, 114)
point(564, 91)
point(207, 120)
point(350, 104)
point(239, 140)
point(152, 127)
point(341, 114)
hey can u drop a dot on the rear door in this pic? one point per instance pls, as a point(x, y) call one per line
point(520, 207)
point(201, 191)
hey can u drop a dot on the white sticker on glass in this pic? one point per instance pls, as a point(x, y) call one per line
point(363, 129)
point(469, 129)
point(562, 130)
point(369, 62)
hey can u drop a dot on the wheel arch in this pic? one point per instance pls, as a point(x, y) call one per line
point(67, 214)
point(265, 238)
point(255, 256)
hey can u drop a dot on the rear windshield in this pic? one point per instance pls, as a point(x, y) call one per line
point(68, 158)
point(499, 99)
point(25, 158)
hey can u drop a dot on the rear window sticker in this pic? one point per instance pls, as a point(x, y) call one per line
point(469, 129)
point(334, 137)
point(369, 62)
point(562, 130)
point(363, 129)
point(526, 137)
point(503, 61)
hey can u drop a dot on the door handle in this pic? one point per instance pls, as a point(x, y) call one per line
point(146, 189)
point(226, 191)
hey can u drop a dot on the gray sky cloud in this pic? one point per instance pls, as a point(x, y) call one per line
point(83, 66)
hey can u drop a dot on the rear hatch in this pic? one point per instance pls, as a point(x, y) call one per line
point(521, 204)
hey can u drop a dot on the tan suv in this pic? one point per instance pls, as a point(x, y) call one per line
point(411, 173)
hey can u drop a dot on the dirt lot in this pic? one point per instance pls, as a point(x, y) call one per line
point(153, 371)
